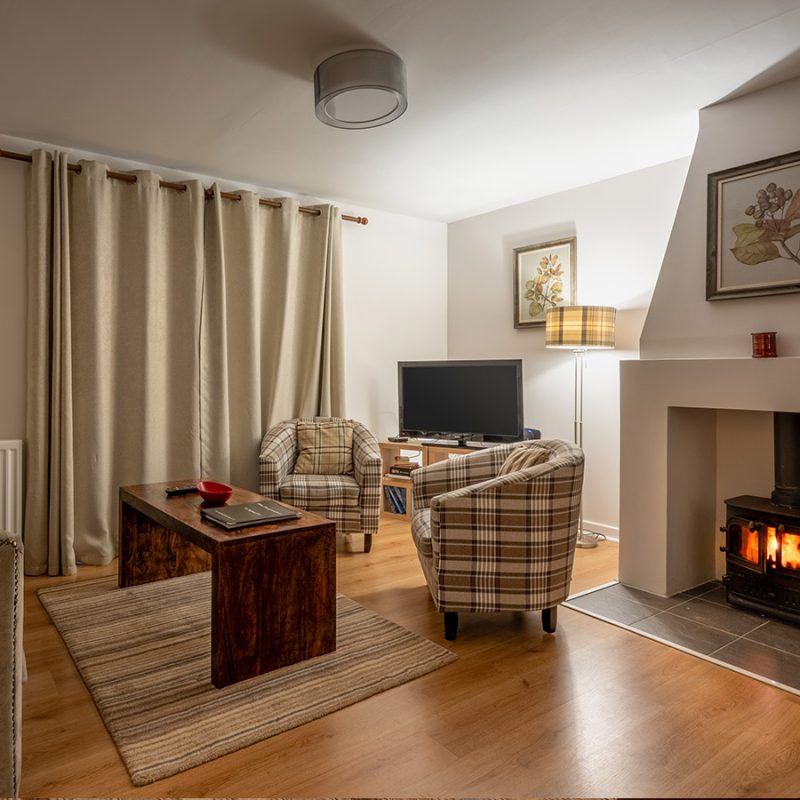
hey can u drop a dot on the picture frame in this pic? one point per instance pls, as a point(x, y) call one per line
point(544, 276)
point(753, 245)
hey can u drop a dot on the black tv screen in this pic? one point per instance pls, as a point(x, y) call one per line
point(461, 399)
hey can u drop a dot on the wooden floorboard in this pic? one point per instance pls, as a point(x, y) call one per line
point(592, 711)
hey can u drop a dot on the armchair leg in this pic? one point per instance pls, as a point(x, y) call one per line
point(450, 625)
point(367, 542)
point(549, 619)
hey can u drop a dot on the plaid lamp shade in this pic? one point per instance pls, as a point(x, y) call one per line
point(580, 327)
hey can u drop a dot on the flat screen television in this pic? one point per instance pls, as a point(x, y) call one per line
point(461, 400)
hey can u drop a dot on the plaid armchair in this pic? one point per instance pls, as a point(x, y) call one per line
point(498, 543)
point(12, 663)
point(352, 501)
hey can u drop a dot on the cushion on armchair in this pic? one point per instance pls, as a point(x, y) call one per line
point(314, 492)
point(324, 448)
point(522, 458)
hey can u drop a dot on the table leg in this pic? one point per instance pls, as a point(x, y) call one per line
point(150, 552)
point(273, 603)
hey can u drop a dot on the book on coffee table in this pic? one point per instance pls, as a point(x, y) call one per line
point(261, 512)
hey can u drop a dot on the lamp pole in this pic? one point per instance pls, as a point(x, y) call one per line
point(581, 328)
point(583, 540)
point(577, 425)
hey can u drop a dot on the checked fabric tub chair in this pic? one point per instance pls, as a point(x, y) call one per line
point(326, 465)
point(12, 663)
point(496, 530)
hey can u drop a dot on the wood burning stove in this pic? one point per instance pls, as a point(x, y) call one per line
point(763, 556)
point(762, 535)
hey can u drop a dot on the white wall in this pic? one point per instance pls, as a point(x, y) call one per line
point(681, 323)
point(12, 300)
point(395, 309)
point(622, 225)
point(395, 295)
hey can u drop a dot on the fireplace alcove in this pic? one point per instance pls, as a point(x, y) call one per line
point(694, 432)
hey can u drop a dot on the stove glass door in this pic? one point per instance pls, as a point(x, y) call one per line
point(789, 550)
point(744, 542)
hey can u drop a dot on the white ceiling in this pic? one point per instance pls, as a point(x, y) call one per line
point(508, 99)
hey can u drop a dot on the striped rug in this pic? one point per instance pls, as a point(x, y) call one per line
point(144, 655)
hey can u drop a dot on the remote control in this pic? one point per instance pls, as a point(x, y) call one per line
point(397, 438)
point(173, 491)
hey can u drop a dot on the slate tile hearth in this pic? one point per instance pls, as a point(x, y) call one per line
point(717, 617)
point(778, 634)
point(685, 632)
point(702, 621)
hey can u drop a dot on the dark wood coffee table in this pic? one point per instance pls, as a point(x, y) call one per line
point(273, 598)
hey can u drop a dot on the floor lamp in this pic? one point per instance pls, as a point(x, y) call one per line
point(580, 328)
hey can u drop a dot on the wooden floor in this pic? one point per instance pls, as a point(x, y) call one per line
point(591, 711)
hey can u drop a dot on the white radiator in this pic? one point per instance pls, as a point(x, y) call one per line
point(11, 486)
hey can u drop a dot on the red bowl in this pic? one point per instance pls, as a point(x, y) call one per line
point(213, 492)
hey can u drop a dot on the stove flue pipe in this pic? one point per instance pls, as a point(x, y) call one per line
point(786, 428)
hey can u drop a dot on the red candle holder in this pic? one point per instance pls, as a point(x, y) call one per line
point(764, 344)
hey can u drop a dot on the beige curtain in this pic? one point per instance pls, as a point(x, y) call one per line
point(114, 387)
point(271, 335)
point(166, 332)
point(49, 477)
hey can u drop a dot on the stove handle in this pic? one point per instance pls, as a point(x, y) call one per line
point(723, 529)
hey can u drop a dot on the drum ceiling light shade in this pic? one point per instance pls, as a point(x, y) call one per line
point(360, 89)
point(580, 327)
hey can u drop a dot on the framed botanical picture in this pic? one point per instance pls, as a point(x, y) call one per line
point(544, 276)
point(754, 229)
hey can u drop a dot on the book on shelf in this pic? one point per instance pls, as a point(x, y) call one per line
point(408, 462)
point(245, 515)
point(391, 503)
point(392, 476)
point(397, 498)
point(403, 469)
point(400, 498)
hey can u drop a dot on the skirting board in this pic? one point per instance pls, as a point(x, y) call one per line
point(611, 532)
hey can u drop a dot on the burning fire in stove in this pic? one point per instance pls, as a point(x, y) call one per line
point(790, 551)
point(789, 546)
point(748, 549)
point(778, 543)
point(772, 547)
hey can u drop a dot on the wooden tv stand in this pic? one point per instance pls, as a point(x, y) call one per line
point(431, 453)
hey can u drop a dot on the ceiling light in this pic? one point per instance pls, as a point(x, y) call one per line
point(360, 89)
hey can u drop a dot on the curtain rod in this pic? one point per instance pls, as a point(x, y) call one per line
point(181, 187)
